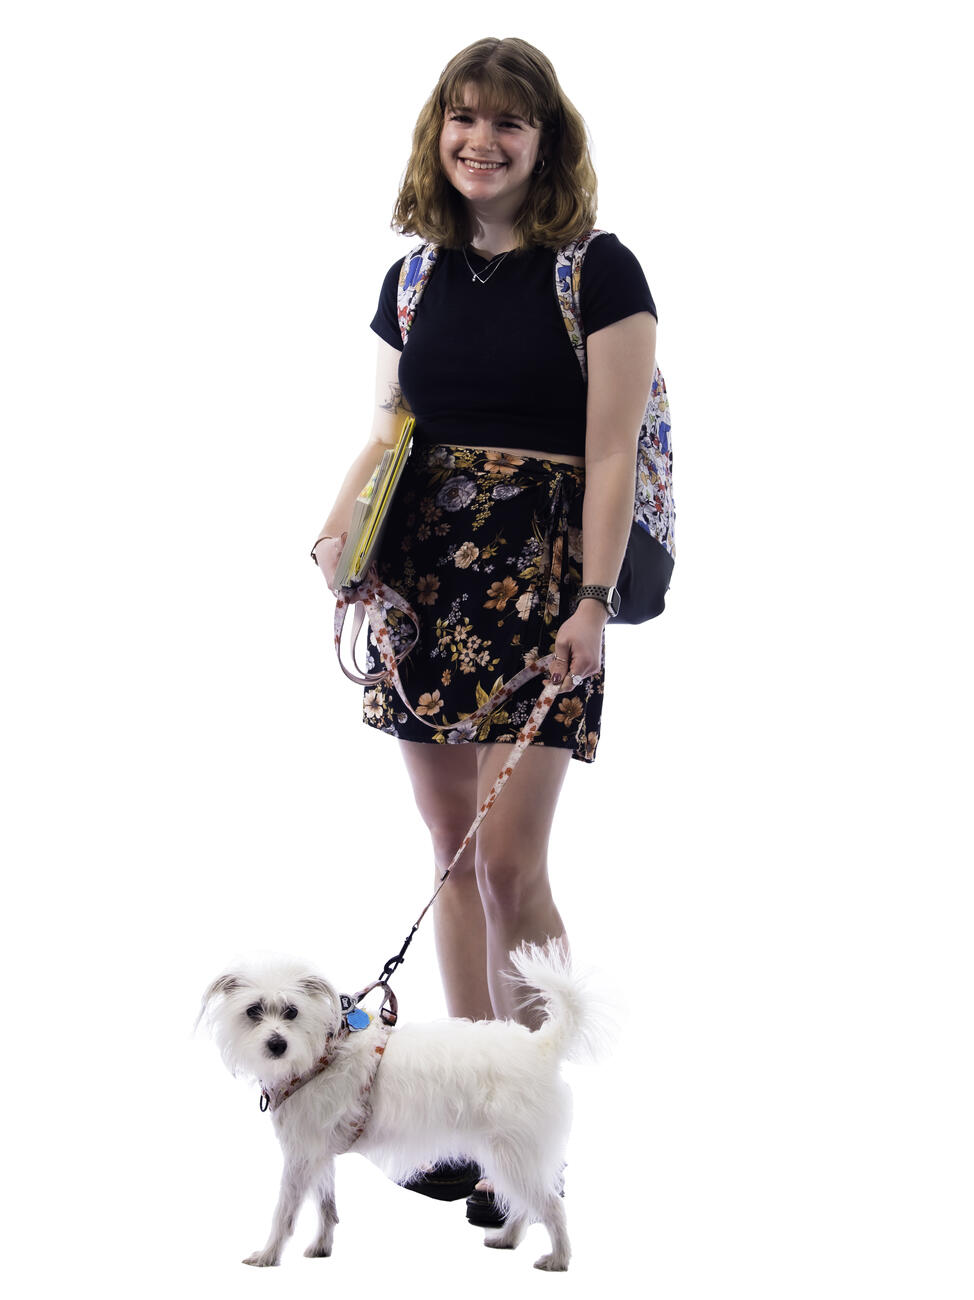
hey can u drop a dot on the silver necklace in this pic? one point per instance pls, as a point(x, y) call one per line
point(483, 276)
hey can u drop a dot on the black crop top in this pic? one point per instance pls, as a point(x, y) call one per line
point(492, 364)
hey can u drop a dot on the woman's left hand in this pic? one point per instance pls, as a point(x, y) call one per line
point(578, 646)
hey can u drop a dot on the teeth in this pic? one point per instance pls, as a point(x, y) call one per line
point(482, 166)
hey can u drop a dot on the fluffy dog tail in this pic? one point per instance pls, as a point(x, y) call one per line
point(580, 1024)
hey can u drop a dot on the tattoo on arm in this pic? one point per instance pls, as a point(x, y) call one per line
point(394, 401)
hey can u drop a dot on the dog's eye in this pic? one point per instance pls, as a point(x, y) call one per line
point(254, 1012)
point(290, 1013)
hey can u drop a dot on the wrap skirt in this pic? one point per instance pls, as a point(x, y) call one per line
point(486, 547)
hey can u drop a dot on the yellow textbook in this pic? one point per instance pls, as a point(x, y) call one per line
point(372, 510)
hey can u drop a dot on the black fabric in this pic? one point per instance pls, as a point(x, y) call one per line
point(491, 365)
point(644, 578)
point(486, 548)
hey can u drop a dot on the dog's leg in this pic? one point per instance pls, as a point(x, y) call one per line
point(553, 1217)
point(509, 1171)
point(294, 1188)
point(509, 1236)
point(320, 1248)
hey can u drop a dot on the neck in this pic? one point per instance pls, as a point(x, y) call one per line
point(490, 235)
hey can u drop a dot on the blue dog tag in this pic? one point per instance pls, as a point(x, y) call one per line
point(358, 1019)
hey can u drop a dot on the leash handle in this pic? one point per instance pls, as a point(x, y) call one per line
point(376, 597)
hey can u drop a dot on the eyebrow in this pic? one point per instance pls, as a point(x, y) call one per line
point(465, 108)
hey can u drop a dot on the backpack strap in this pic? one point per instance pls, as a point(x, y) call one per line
point(568, 282)
point(417, 266)
point(653, 505)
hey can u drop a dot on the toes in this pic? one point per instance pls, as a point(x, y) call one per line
point(551, 1264)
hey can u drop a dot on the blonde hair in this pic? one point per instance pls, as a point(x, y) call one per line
point(511, 76)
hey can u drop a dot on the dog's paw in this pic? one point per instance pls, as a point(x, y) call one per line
point(318, 1250)
point(498, 1241)
point(551, 1264)
point(262, 1259)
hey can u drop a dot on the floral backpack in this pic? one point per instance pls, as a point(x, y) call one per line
point(648, 563)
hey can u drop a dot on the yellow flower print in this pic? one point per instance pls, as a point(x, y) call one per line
point(465, 555)
point(373, 704)
point(500, 593)
point(500, 462)
point(569, 711)
point(431, 704)
point(426, 589)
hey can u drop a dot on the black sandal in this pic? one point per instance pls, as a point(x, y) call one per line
point(445, 1182)
point(483, 1210)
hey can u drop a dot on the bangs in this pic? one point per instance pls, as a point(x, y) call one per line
point(500, 90)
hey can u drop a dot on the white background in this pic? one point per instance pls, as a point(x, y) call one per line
point(765, 862)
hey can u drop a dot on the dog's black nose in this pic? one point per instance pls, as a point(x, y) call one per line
point(277, 1045)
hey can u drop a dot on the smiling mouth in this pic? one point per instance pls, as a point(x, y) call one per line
point(475, 165)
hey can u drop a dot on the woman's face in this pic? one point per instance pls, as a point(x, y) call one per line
point(488, 156)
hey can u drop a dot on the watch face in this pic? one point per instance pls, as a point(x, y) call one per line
point(614, 601)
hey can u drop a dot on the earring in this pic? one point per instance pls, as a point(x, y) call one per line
point(538, 167)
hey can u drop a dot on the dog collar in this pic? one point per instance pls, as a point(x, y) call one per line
point(272, 1098)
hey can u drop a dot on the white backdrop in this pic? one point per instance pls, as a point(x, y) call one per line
point(766, 862)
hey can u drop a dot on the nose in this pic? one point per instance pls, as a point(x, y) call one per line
point(277, 1045)
point(482, 135)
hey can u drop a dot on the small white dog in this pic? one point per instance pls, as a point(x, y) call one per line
point(447, 1091)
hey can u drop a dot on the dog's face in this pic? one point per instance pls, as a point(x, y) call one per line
point(271, 1022)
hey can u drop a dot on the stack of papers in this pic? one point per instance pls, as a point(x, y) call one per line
point(372, 510)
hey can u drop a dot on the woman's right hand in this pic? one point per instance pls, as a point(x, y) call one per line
point(327, 552)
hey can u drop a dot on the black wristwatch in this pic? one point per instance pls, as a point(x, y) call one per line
point(608, 596)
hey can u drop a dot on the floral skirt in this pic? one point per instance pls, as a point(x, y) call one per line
point(487, 549)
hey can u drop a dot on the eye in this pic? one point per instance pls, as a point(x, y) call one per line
point(254, 1012)
point(459, 117)
point(290, 1013)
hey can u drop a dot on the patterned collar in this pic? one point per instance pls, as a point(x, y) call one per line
point(273, 1098)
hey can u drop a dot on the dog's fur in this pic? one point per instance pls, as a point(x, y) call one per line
point(447, 1091)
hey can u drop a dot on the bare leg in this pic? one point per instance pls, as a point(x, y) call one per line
point(512, 863)
point(444, 780)
point(320, 1248)
point(293, 1191)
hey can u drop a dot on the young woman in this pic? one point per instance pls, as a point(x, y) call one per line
point(515, 461)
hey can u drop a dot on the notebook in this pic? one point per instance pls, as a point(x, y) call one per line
point(371, 511)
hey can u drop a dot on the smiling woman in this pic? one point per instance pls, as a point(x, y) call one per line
point(489, 156)
point(517, 452)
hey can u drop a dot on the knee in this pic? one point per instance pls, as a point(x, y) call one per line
point(508, 884)
point(447, 833)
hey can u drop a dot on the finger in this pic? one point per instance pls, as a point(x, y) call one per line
point(561, 661)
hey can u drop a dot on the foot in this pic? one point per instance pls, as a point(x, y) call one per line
point(444, 1181)
point(262, 1259)
point(483, 1210)
point(551, 1264)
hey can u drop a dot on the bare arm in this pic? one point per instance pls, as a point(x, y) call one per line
point(621, 360)
point(389, 410)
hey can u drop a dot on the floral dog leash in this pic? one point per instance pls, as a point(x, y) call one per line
point(375, 598)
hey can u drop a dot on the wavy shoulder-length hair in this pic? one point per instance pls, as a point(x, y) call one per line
point(511, 76)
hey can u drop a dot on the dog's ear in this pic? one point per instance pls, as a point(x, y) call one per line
point(227, 983)
point(316, 986)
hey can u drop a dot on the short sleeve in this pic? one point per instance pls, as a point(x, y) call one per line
point(385, 322)
point(613, 285)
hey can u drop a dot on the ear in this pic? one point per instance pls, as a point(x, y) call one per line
point(316, 986)
point(227, 983)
